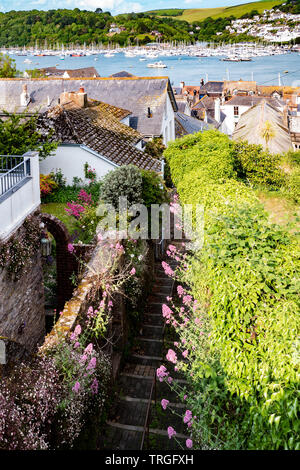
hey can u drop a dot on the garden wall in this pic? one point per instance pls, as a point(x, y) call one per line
point(22, 319)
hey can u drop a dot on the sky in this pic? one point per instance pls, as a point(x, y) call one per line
point(114, 6)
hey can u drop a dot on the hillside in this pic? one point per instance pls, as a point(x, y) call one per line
point(200, 14)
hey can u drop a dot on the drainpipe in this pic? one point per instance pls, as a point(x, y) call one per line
point(163, 168)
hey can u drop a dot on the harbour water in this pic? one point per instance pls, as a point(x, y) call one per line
point(264, 70)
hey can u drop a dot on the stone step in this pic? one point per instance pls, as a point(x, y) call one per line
point(150, 348)
point(153, 319)
point(154, 361)
point(151, 331)
point(120, 438)
point(136, 387)
point(129, 413)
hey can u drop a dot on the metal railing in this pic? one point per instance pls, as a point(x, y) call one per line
point(13, 169)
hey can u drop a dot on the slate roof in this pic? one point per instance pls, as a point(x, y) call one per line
point(135, 94)
point(74, 125)
point(122, 74)
point(242, 85)
point(251, 101)
point(185, 125)
point(87, 72)
point(212, 87)
point(251, 124)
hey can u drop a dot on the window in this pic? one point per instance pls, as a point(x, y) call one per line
point(236, 111)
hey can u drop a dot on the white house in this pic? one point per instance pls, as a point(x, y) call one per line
point(91, 132)
point(238, 105)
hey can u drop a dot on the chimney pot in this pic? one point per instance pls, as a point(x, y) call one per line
point(81, 89)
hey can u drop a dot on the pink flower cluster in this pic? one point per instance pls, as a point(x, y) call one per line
point(167, 268)
point(74, 209)
point(84, 197)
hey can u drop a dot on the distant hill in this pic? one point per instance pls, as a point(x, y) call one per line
point(200, 14)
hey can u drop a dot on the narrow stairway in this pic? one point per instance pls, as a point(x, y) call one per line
point(136, 407)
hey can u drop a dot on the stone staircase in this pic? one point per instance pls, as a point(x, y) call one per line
point(126, 426)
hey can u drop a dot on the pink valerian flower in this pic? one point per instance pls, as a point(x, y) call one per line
point(172, 248)
point(170, 380)
point(180, 291)
point(164, 403)
point(161, 373)
point(92, 364)
point(83, 359)
point(183, 341)
point(76, 345)
point(133, 271)
point(187, 299)
point(76, 387)
point(94, 386)
point(168, 270)
point(176, 344)
point(84, 197)
point(171, 432)
point(171, 356)
point(75, 333)
point(198, 321)
point(188, 416)
point(189, 443)
point(185, 353)
point(110, 304)
point(166, 311)
point(74, 209)
point(119, 248)
point(89, 349)
point(71, 248)
point(185, 397)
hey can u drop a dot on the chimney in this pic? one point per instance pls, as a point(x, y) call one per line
point(79, 98)
point(24, 97)
point(182, 84)
point(217, 110)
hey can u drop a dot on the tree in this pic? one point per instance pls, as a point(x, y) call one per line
point(98, 10)
point(268, 133)
point(19, 133)
point(7, 66)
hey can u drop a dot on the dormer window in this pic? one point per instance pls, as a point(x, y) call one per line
point(236, 111)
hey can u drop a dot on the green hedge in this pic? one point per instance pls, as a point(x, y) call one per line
point(246, 278)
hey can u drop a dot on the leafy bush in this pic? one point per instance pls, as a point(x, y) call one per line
point(125, 181)
point(47, 184)
point(258, 166)
point(245, 374)
point(153, 191)
point(210, 150)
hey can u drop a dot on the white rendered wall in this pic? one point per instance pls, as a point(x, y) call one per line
point(231, 120)
point(168, 124)
point(71, 159)
point(22, 202)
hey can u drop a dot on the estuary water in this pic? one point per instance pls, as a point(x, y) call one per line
point(264, 70)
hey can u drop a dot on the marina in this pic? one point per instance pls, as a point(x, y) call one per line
point(249, 61)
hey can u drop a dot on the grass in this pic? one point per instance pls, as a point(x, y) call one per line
point(199, 14)
point(58, 210)
point(281, 210)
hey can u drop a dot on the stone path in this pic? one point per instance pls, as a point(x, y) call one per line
point(125, 426)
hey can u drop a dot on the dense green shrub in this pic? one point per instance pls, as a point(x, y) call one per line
point(153, 189)
point(210, 150)
point(258, 166)
point(245, 374)
point(125, 181)
point(66, 194)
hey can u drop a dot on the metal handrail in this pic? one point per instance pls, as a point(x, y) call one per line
point(148, 413)
point(9, 178)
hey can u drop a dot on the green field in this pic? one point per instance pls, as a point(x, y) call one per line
point(199, 14)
